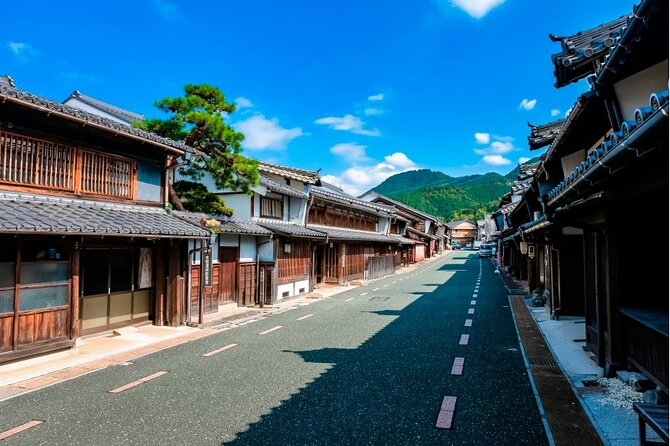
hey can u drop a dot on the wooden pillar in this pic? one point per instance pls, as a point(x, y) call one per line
point(74, 293)
point(160, 282)
point(340, 262)
point(174, 276)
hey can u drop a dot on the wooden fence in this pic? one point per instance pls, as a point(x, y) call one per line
point(379, 266)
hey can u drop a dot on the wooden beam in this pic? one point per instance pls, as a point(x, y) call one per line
point(160, 282)
point(74, 294)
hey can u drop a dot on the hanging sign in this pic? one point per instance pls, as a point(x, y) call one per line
point(207, 266)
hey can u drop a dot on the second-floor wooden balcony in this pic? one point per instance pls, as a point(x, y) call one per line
point(28, 163)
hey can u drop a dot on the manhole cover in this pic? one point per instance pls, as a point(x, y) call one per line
point(541, 361)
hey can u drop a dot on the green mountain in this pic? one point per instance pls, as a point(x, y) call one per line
point(412, 180)
point(450, 198)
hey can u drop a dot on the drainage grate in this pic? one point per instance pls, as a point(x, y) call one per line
point(541, 361)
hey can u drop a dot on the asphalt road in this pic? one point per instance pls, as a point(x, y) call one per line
point(370, 366)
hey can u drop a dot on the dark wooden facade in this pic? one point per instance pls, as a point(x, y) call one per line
point(56, 285)
point(605, 171)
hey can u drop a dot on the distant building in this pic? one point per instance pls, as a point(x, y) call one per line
point(463, 231)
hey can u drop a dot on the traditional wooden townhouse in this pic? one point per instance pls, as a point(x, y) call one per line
point(606, 167)
point(88, 244)
point(265, 249)
point(358, 246)
point(462, 231)
point(425, 230)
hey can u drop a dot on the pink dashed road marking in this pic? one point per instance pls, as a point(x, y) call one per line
point(219, 350)
point(457, 367)
point(20, 428)
point(464, 339)
point(468, 322)
point(471, 311)
point(270, 330)
point(138, 382)
point(446, 416)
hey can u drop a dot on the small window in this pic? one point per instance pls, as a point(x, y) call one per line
point(149, 182)
point(271, 207)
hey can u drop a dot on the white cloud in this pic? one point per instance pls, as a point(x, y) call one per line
point(348, 123)
point(399, 159)
point(376, 97)
point(523, 159)
point(528, 104)
point(23, 51)
point(496, 148)
point(262, 133)
point(351, 152)
point(482, 138)
point(17, 47)
point(373, 111)
point(359, 179)
point(243, 102)
point(496, 160)
point(555, 112)
point(475, 8)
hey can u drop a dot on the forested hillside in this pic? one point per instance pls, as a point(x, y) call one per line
point(450, 198)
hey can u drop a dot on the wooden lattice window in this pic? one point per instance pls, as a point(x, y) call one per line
point(34, 161)
point(271, 207)
point(292, 259)
point(106, 175)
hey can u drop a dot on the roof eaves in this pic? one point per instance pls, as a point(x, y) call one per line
point(52, 107)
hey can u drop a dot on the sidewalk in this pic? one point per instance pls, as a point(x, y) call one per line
point(121, 346)
point(564, 339)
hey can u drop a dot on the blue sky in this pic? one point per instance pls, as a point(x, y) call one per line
point(358, 89)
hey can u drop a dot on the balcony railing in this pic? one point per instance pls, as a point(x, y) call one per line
point(27, 161)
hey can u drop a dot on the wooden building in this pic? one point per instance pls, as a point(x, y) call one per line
point(358, 245)
point(88, 244)
point(424, 230)
point(273, 254)
point(463, 231)
point(606, 166)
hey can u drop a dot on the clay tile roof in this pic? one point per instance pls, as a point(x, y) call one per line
point(288, 229)
point(21, 97)
point(543, 135)
point(280, 188)
point(38, 214)
point(581, 53)
point(227, 225)
point(306, 176)
point(352, 202)
point(354, 234)
point(117, 112)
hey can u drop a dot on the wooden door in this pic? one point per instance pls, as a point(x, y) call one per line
point(228, 283)
point(331, 263)
point(210, 302)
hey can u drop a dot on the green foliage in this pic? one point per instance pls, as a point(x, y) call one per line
point(196, 198)
point(412, 180)
point(197, 118)
point(464, 198)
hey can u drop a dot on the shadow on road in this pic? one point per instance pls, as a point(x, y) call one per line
point(388, 391)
